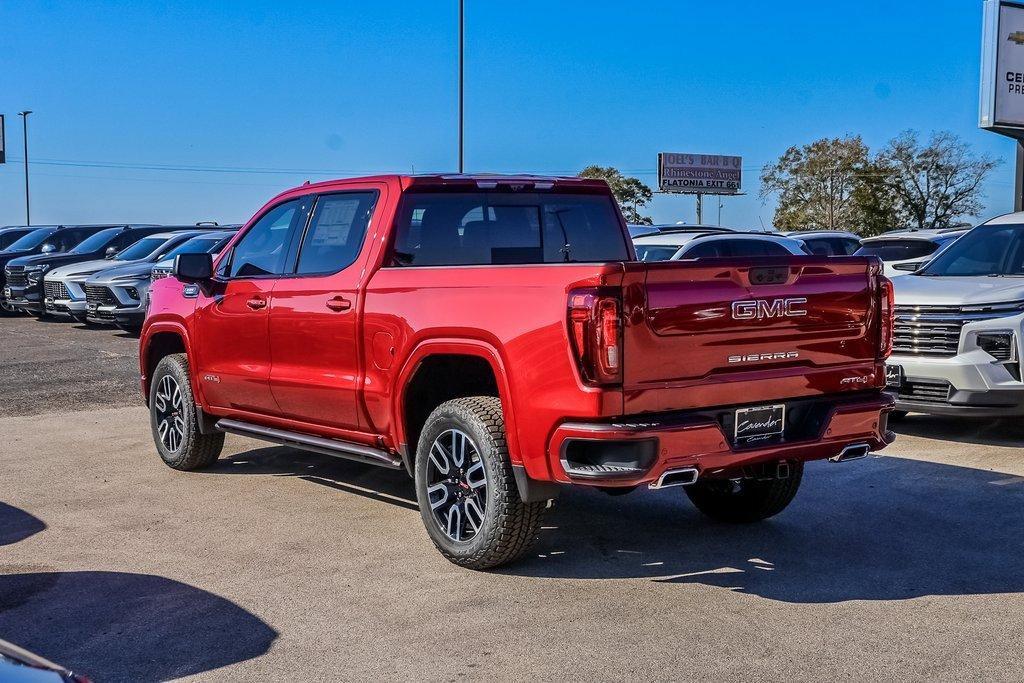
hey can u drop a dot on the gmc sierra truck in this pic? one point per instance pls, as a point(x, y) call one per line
point(496, 338)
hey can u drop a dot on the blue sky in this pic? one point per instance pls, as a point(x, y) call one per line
point(275, 93)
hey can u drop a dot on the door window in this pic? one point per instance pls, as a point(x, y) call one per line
point(263, 250)
point(335, 234)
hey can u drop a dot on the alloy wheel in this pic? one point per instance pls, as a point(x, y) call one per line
point(457, 485)
point(170, 421)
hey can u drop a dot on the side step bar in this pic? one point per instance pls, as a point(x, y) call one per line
point(317, 444)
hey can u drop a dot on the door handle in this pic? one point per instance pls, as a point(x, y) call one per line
point(339, 304)
point(256, 303)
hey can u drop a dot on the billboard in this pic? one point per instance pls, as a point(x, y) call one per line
point(1002, 65)
point(699, 173)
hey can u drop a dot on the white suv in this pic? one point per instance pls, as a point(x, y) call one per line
point(904, 251)
point(959, 325)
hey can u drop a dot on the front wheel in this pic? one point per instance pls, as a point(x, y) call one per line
point(466, 489)
point(174, 418)
point(745, 500)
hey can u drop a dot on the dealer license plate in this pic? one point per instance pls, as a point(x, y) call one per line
point(893, 375)
point(756, 424)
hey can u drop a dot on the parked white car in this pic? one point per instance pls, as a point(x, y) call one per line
point(826, 242)
point(690, 243)
point(959, 326)
point(904, 251)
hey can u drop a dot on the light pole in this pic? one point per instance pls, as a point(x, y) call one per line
point(462, 50)
point(24, 129)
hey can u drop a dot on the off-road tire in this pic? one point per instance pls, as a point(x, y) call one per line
point(195, 450)
point(753, 501)
point(510, 526)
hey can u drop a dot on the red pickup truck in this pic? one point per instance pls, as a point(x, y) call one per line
point(495, 337)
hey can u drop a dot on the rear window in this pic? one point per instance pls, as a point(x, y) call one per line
point(483, 228)
point(897, 250)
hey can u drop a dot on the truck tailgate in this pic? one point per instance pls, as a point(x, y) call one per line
point(730, 332)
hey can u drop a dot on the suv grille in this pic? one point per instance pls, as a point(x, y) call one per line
point(925, 390)
point(928, 330)
point(17, 278)
point(102, 296)
point(55, 290)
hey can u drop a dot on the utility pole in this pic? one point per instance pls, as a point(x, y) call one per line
point(462, 50)
point(24, 129)
point(700, 209)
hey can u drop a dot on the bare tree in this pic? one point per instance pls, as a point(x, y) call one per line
point(937, 183)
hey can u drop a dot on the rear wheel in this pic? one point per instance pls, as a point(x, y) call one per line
point(174, 418)
point(745, 500)
point(897, 415)
point(466, 489)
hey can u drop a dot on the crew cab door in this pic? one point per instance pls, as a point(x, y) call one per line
point(314, 316)
point(231, 322)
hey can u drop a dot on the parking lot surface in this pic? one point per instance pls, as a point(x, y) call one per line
point(285, 565)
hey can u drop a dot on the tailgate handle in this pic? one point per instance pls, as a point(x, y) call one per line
point(777, 275)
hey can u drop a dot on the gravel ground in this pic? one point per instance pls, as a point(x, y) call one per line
point(283, 565)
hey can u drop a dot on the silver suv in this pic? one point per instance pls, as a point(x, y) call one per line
point(959, 326)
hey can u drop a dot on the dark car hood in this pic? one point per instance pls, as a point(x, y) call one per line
point(54, 260)
point(6, 256)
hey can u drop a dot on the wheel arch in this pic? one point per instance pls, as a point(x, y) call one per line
point(426, 358)
point(163, 339)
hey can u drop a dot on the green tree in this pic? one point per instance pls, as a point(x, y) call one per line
point(824, 186)
point(631, 193)
point(937, 183)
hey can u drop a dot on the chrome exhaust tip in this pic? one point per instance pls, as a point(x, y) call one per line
point(684, 476)
point(852, 452)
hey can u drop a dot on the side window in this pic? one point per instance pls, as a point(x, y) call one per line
point(69, 239)
point(822, 247)
point(336, 232)
point(847, 247)
point(757, 248)
point(263, 250)
point(705, 250)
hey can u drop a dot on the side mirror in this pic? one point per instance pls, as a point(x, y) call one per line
point(193, 267)
point(48, 248)
point(109, 253)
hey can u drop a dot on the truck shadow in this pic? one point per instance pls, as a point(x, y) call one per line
point(984, 432)
point(17, 525)
point(878, 529)
point(368, 481)
point(115, 626)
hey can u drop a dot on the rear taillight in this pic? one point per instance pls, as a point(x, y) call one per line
point(595, 334)
point(887, 308)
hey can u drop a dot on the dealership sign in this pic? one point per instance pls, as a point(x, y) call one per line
point(1002, 77)
point(699, 173)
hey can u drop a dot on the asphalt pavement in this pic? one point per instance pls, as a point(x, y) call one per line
point(283, 565)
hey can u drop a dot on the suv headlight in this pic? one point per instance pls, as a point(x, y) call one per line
point(35, 273)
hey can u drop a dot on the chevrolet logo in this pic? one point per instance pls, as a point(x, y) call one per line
point(1017, 37)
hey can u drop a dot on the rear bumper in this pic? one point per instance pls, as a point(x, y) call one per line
point(699, 440)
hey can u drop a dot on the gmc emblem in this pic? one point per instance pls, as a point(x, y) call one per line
point(760, 309)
